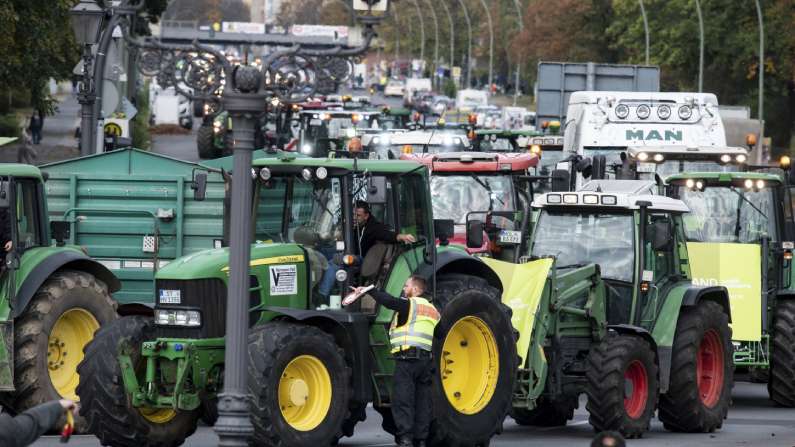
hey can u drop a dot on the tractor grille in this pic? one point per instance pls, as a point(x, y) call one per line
point(206, 295)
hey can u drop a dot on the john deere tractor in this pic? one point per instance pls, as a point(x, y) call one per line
point(52, 297)
point(313, 367)
point(605, 305)
point(740, 234)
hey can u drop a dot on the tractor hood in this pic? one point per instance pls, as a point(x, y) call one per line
point(215, 263)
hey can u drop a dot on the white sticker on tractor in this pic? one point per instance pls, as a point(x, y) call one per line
point(284, 280)
point(170, 296)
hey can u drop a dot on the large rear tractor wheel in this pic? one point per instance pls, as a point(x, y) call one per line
point(205, 138)
point(546, 414)
point(622, 385)
point(782, 362)
point(104, 402)
point(50, 336)
point(475, 350)
point(702, 372)
point(300, 385)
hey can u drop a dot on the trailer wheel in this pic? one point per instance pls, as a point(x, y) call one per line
point(546, 414)
point(104, 401)
point(300, 385)
point(51, 334)
point(475, 348)
point(204, 142)
point(782, 363)
point(702, 372)
point(622, 385)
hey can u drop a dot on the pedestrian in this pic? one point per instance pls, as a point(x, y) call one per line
point(35, 125)
point(411, 339)
point(26, 153)
point(26, 428)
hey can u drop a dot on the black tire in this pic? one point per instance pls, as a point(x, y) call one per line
point(781, 386)
point(546, 414)
point(104, 402)
point(461, 297)
point(682, 408)
point(229, 144)
point(272, 347)
point(612, 366)
point(198, 108)
point(65, 292)
point(205, 142)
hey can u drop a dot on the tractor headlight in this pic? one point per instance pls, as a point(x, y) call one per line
point(622, 111)
point(643, 156)
point(216, 127)
point(306, 149)
point(174, 317)
point(740, 158)
point(265, 174)
point(321, 173)
point(658, 158)
point(341, 275)
point(685, 112)
point(664, 112)
point(725, 158)
point(643, 111)
point(306, 173)
point(748, 183)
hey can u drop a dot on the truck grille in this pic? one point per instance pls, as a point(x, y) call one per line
point(207, 295)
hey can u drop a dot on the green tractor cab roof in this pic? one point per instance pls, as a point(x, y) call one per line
point(502, 133)
point(724, 178)
point(612, 201)
point(294, 165)
point(20, 170)
point(658, 154)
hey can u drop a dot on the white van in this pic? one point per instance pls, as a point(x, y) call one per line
point(415, 85)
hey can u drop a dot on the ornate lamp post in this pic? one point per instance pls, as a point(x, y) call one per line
point(86, 19)
point(290, 75)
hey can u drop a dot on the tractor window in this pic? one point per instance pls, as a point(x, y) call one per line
point(28, 225)
point(729, 214)
point(659, 260)
point(413, 206)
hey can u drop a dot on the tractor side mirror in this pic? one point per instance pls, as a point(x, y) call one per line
point(376, 190)
point(560, 180)
point(199, 186)
point(661, 236)
point(60, 231)
point(598, 167)
point(474, 234)
point(444, 229)
point(5, 195)
point(585, 167)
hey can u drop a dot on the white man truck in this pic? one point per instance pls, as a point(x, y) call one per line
point(646, 135)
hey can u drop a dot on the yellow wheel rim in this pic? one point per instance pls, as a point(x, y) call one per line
point(469, 365)
point(305, 392)
point(73, 330)
point(158, 415)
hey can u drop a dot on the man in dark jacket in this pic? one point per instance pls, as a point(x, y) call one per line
point(26, 428)
point(369, 230)
point(5, 229)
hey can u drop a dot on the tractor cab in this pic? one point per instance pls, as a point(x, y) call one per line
point(481, 189)
point(660, 162)
point(502, 140)
point(323, 131)
point(634, 239)
point(419, 142)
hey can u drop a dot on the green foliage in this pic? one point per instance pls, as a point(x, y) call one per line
point(140, 124)
point(10, 126)
point(449, 88)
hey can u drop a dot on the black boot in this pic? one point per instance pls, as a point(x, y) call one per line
point(404, 441)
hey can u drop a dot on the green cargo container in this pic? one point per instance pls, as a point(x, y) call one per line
point(134, 211)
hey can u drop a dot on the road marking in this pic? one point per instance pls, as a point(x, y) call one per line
point(563, 426)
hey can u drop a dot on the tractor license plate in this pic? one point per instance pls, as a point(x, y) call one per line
point(647, 167)
point(170, 296)
point(510, 237)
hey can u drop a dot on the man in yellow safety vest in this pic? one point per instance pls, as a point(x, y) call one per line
point(411, 337)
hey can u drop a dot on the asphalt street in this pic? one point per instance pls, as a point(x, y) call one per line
point(753, 421)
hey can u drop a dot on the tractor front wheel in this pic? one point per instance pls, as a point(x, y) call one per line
point(702, 372)
point(205, 138)
point(622, 385)
point(782, 359)
point(104, 401)
point(51, 334)
point(300, 385)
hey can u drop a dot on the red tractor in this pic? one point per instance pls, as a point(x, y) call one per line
point(477, 188)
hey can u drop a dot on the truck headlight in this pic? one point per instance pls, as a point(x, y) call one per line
point(175, 317)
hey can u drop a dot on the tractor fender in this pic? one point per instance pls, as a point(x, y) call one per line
point(351, 331)
point(457, 262)
point(63, 260)
point(718, 294)
point(663, 353)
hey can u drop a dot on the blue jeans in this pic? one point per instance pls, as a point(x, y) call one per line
point(327, 282)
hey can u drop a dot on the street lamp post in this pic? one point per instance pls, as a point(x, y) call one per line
point(645, 28)
point(435, 41)
point(700, 47)
point(452, 37)
point(469, 42)
point(491, 43)
point(86, 19)
point(761, 106)
point(520, 19)
point(422, 31)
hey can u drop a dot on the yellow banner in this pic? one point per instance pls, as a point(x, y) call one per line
point(738, 268)
point(522, 285)
point(287, 259)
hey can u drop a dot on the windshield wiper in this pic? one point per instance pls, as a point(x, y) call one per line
point(742, 197)
point(570, 266)
point(487, 187)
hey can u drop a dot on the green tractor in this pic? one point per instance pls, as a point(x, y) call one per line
point(313, 367)
point(747, 216)
point(605, 305)
point(52, 297)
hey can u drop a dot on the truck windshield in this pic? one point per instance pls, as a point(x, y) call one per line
point(729, 214)
point(671, 167)
point(453, 196)
point(312, 211)
point(578, 239)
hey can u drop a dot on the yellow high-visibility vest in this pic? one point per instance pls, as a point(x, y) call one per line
point(417, 332)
